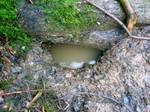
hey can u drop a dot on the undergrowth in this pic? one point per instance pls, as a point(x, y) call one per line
point(9, 29)
point(68, 16)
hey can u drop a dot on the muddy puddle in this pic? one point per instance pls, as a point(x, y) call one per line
point(72, 56)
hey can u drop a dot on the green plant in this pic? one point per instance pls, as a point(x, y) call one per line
point(68, 16)
point(9, 29)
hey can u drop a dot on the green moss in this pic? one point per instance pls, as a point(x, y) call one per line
point(66, 16)
point(9, 29)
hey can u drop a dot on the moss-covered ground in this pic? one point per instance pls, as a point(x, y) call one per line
point(68, 16)
point(10, 30)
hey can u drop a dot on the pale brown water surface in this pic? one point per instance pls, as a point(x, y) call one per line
point(74, 55)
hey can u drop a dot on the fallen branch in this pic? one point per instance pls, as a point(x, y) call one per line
point(117, 20)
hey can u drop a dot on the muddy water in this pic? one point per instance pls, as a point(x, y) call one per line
point(73, 56)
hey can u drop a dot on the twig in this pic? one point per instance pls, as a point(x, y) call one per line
point(117, 20)
point(34, 99)
point(22, 91)
point(67, 106)
point(59, 104)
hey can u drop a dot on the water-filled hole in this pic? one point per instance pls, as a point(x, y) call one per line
point(72, 56)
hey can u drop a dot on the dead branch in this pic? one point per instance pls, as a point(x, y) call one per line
point(117, 20)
